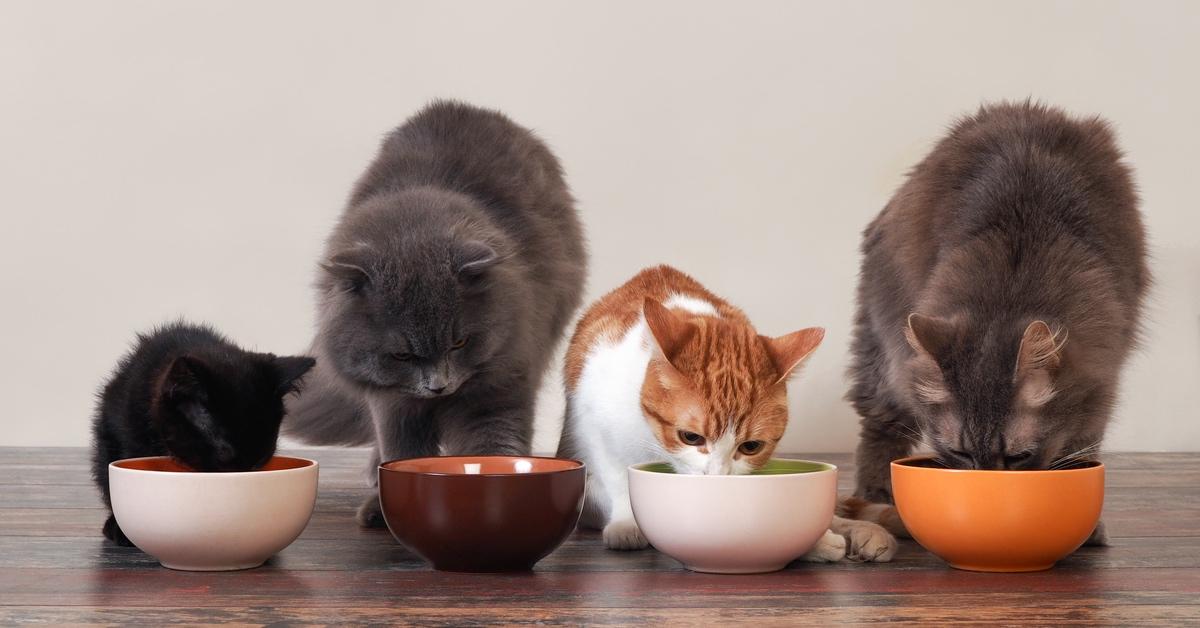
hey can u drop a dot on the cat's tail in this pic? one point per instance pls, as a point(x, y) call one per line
point(863, 510)
point(323, 413)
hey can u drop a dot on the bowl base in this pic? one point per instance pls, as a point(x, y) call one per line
point(735, 570)
point(1001, 568)
point(457, 568)
point(235, 567)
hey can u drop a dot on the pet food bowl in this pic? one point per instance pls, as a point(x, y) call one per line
point(482, 513)
point(212, 521)
point(998, 520)
point(735, 523)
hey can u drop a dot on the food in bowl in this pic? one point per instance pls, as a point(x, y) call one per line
point(482, 513)
point(735, 523)
point(216, 521)
point(998, 520)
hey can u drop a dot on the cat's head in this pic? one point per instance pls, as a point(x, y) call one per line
point(410, 303)
point(715, 392)
point(995, 395)
point(221, 410)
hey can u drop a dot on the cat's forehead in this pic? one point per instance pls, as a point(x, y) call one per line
point(728, 366)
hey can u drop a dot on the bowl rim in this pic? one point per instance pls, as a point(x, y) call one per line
point(579, 465)
point(116, 465)
point(906, 463)
point(829, 468)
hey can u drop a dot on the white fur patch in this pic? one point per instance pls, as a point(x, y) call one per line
point(606, 415)
point(691, 304)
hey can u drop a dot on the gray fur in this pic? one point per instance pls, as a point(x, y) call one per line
point(1020, 214)
point(462, 228)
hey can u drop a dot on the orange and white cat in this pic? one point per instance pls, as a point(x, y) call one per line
point(663, 369)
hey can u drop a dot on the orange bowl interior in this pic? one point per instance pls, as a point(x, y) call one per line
point(998, 520)
point(481, 465)
point(170, 465)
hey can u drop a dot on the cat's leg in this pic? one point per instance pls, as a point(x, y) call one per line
point(595, 503)
point(621, 532)
point(399, 433)
point(496, 427)
point(888, 432)
point(885, 515)
point(113, 532)
point(866, 542)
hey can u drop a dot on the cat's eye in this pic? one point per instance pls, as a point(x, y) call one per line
point(751, 447)
point(691, 438)
point(1014, 459)
point(401, 356)
point(459, 344)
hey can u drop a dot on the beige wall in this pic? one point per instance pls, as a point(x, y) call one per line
point(160, 159)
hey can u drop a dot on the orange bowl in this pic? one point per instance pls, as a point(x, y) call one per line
point(998, 520)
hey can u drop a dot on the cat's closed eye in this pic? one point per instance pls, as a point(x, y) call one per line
point(460, 343)
point(1011, 460)
point(691, 438)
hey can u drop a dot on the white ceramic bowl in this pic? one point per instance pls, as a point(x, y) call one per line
point(212, 521)
point(735, 523)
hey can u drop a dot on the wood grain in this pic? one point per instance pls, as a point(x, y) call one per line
point(56, 568)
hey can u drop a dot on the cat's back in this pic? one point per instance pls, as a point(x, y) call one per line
point(611, 317)
point(151, 353)
point(1024, 173)
point(121, 425)
point(474, 151)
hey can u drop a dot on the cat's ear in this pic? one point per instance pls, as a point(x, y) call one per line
point(1040, 348)
point(670, 332)
point(184, 380)
point(348, 269)
point(289, 370)
point(930, 335)
point(473, 258)
point(788, 352)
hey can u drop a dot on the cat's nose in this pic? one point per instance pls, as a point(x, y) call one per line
point(437, 390)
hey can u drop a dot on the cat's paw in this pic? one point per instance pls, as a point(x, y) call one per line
point(113, 532)
point(624, 535)
point(1099, 536)
point(869, 543)
point(830, 548)
point(370, 514)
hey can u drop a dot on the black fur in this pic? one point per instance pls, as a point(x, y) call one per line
point(186, 391)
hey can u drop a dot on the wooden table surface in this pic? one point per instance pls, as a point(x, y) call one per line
point(58, 568)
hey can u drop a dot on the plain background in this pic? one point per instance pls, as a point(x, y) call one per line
point(164, 159)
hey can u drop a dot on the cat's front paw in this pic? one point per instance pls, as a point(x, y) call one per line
point(113, 532)
point(1099, 536)
point(830, 548)
point(624, 534)
point(869, 543)
point(370, 514)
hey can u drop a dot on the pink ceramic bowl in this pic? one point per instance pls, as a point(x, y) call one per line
point(212, 521)
point(735, 523)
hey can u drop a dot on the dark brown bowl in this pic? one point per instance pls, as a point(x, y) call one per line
point(481, 513)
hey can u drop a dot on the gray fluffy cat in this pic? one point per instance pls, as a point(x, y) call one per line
point(1000, 295)
point(442, 293)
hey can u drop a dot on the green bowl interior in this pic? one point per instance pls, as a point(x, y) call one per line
point(776, 466)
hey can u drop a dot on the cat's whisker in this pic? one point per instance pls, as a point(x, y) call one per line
point(1078, 455)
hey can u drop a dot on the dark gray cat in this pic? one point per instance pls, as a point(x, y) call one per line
point(1000, 295)
point(443, 291)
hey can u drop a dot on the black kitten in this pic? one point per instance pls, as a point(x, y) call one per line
point(187, 392)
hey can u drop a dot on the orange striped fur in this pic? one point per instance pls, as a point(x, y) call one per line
point(710, 375)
